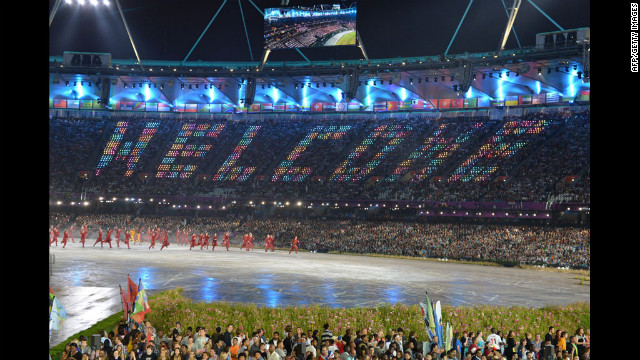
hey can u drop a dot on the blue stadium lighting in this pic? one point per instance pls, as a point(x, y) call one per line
point(212, 94)
point(403, 94)
point(469, 93)
point(537, 87)
point(275, 95)
point(147, 93)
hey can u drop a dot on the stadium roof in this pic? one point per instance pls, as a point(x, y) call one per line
point(169, 30)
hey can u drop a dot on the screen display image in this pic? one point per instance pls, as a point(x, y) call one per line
point(288, 28)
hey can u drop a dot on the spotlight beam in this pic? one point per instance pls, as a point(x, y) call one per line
point(53, 11)
point(129, 33)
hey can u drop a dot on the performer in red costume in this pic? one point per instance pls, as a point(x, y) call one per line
point(193, 240)
point(65, 237)
point(294, 245)
point(56, 232)
point(99, 240)
point(83, 234)
point(178, 236)
point(250, 242)
point(108, 238)
point(225, 240)
point(199, 240)
point(165, 241)
point(153, 239)
point(127, 236)
point(71, 232)
point(245, 241)
point(206, 241)
point(214, 241)
point(267, 243)
point(118, 236)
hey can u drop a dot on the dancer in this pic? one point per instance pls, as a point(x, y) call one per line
point(153, 238)
point(193, 240)
point(118, 236)
point(250, 241)
point(206, 240)
point(65, 237)
point(99, 240)
point(199, 240)
point(127, 236)
point(165, 242)
point(225, 240)
point(269, 243)
point(108, 238)
point(245, 242)
point(71, 232)
point(83, 233)
point(294, 245)
point(178, 236)
point(214, 241)
point(266, 243)
point(56, 232)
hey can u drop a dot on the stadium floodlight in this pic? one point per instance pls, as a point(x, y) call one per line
point(69, 2)
point(94, 2)
point(106, 2)
point(81, 2)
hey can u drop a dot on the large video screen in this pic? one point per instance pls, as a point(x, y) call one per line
point(289, 28)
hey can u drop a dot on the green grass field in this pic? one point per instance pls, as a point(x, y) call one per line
point(348, 39)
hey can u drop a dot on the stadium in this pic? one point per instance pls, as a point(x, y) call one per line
point(336, 159)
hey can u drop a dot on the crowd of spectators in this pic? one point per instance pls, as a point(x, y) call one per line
point(519, 166)
point(147, 342)
point(535, 245)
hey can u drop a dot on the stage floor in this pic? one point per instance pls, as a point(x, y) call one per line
point(86, 280)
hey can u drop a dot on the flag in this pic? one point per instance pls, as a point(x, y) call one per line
point(133, 290)
point(278, 107)
point(290, 107)
point(438, 319)
point(125, 301)
point(511, 100)
point(267, 107)
point(57, 314)
point(254, 108)
point(392, 105)
point(444, 103)
point(417, 104)
point(553, 97)
point(140, 306)
point(425, 311)
point(329, 107)
point(457, 103)
point(404, 105)
point(316, 107)
point(353, 106)
point(380, 106)
point(524, 99)
point(215, 108)
point(431, 325)
point(228, 108)
point(447, 337)
point(471, 103)
point(342, 106)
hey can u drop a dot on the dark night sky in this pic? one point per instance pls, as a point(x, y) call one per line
point(167, 29)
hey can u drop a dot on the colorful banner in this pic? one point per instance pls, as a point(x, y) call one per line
point(254, 108)
point(95, 104)
point(404, 105)
point(444, 103)
point(152, 107)
point(291, 107)
point(537, 99)
point(497, 102)
point(583, 95)
point(471, 103)
point(484, 102)
point(73, 104)
point(380, 106)
point(552, 97)
point(511, 100)
point(417, 104)
point(126, 105)
point(457, 103)
point(139, 106)
point(366, 107)
point(392, 106)
point(241, 110)
point(524, 100)
point(86, 104)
